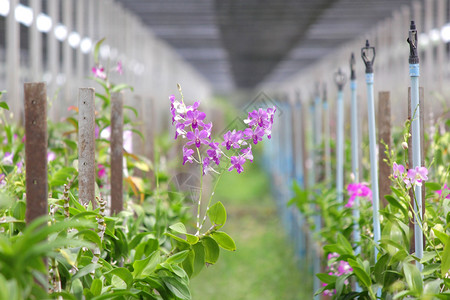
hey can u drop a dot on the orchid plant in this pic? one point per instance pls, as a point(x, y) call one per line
point(190, 125)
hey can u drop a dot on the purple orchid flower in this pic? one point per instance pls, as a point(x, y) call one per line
point(233, 139)
point(256, 135)
point(195, 118)
point(8, 158)
point(197, 137)
point(257, 117)
point(247, 153)
point(398, 170)
point(236, 163)
point(214, 153)
point(101, 171)
point(99, 72)
point(187, 155)
point(357, 190)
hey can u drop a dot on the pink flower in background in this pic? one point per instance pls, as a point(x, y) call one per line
point(8, 158)
point(358, 190)
point(119, 67)
point(416, 176)
point(51, 156)
point(101, 171)
point(445, 189)
point(128, 141)
point(2, 180)
point(398, 170)
point(19, 167)
point(99, 72)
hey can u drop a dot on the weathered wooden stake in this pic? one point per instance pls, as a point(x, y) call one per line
point(86, 146)
point(116, 153)
point(36, 150)
point(412, 248)
point(384, 137)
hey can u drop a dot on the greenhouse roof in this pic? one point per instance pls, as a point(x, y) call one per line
point(244, 43)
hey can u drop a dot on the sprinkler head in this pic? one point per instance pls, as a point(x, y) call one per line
point(412, 41)
point(352, 67)
point(340, 79)
point(368, 56)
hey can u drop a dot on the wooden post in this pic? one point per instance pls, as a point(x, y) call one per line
point(384, 137)
point(116, 153)
point(411, 191)
point(86, 146)
point(36, 150)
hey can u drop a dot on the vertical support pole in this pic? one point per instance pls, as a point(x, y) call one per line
point(86, 146)
point(36, 150)
point(299, 137)
point(13, 58)
point(53, 57)
point(355, 151)
point(318, 136)
point(67, 6)
point(414, 73)
point(326, 138)
point(384, 138)
point(368, 61)
point(80, 13)
point(116, 153)
point(340, 81)
point(35, 51)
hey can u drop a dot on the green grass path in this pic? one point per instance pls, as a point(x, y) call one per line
point(264, 266)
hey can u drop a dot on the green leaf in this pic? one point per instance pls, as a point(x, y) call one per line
point(441, 235)
point(212, 250)
point(120, 87)
point(134, 110)
point(124, 274)
point(199, 259)
point(188, 263)
point(179, 228)
point(96, 287)
point(217, 214)
point(86, 270)
point(433, 186)
point(4, 105)
point(326, 278)
point(345, 244)
point(395, 203)
point(178, 257)
point(380, 267)
point(97, 49)
point(413, 278)
point(118, 283)
point(91, 236)
point(191, 239)
point(360, 273)
point(224, 240)
point(177, 287)
point(445, 266)
point(143, 268)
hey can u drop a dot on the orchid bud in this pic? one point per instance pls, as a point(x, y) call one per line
point(404, 145)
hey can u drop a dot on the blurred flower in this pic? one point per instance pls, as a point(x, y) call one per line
point(19, 167)
point(99, 72)
point(128, 141)
point(398, 170)
point(51, 156)
point(8, 158)
point(2, 180)
point(101, 171)
point(358, 190)
point(445, 189)
point(416, 176)
point(119, 67)
point(404, 145)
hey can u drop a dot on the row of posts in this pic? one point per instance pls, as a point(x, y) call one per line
point(36, 149)
point(292, 162)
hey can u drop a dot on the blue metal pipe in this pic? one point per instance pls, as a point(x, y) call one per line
point(414, 73)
